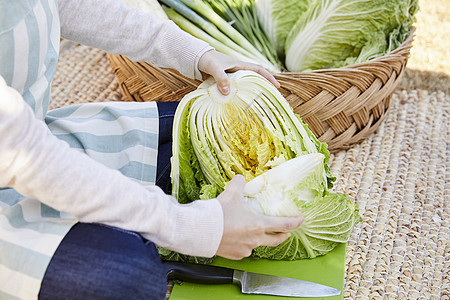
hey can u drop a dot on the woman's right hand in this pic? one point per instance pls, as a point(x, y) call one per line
point(217, 64)
point(245, 229)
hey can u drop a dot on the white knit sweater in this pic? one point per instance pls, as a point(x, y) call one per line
point(39, 165)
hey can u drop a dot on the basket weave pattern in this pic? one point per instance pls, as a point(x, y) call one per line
point(341, 106)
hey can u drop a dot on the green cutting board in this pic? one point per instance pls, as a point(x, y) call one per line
point(327, 269)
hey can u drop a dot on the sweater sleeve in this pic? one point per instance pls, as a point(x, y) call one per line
point(112, 26)
point(38, 165)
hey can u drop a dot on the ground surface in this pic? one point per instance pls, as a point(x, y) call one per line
point(429, 65)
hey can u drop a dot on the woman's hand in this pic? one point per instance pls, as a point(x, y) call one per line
point(216, 64)
point(245, 229)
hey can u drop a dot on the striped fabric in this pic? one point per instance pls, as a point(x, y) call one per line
point(31, 29)
point(121, 135)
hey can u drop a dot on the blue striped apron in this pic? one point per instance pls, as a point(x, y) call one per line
point(121, 135)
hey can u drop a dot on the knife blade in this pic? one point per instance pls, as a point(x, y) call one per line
point(250, 283)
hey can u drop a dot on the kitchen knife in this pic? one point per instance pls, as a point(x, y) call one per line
point(251, 283)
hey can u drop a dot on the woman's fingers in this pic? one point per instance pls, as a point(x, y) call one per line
point(221, 78)
point(281, 224)
point(236, 184)
point(217, 64)
point(244, 229)
point(258, 69)
point(274, 239)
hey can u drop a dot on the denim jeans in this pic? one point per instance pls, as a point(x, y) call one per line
point(96, 261)
point(166, 111)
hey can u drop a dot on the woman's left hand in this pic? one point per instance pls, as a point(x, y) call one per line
point(217, 64)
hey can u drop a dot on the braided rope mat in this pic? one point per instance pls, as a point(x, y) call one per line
point(399, 177)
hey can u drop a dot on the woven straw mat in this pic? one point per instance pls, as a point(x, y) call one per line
point(399, 178)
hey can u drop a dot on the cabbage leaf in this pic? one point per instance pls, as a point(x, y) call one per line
point(277, 17)
point(297, 188)
point(335, 33)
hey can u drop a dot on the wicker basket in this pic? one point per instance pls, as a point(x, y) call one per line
point(341, 106)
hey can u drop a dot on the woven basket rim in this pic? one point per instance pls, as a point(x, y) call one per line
point(342, 106)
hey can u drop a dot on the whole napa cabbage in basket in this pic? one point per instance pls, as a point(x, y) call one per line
point(323, 34)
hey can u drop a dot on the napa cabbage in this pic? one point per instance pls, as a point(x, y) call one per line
point(277, 17)
point(247, 132)
point(335, 33)
point(254, 132)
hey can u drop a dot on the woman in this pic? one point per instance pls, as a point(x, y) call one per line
point(79, 211)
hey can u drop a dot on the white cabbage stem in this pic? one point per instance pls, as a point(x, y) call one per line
point(277, 193)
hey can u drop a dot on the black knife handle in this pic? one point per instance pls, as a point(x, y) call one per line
point(198, 273)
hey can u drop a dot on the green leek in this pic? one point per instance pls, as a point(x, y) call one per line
point(207, 20)
point(242, 15)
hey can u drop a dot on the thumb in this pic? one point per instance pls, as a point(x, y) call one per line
point(223, 83)
point(236, 184)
